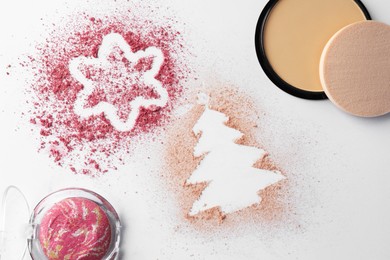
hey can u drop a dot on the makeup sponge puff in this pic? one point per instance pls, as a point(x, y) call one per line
point(355, 69)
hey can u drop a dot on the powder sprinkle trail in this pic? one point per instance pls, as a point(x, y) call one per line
point(92, 145)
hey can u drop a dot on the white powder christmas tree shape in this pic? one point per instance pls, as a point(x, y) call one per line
point(233, 182)
point(109, 43)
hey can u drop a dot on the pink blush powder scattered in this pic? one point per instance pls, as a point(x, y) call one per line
point(92, 145)
point(75, 228)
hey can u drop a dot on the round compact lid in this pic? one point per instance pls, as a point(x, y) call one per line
point(355, 69)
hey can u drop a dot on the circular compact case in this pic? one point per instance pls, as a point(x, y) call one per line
point(291, 35)
point(74, 224)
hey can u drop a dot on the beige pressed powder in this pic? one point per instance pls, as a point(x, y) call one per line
point(291, 35)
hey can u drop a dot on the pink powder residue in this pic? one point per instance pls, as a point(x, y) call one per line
point(75, 228)
point(92, 145)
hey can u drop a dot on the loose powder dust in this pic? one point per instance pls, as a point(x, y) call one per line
point(181, 163)
point(92, 145)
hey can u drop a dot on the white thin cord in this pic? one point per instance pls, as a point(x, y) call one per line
point(3, 211)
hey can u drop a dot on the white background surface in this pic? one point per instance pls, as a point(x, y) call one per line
point(345, 160)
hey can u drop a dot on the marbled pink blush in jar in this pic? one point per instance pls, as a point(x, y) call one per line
point(74, 224)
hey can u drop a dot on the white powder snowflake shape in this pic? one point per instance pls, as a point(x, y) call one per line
point(148, 78)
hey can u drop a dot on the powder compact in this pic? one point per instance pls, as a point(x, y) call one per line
point(74, 224)
point(291, 35)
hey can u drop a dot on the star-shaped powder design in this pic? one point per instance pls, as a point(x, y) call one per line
point(119, 82)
